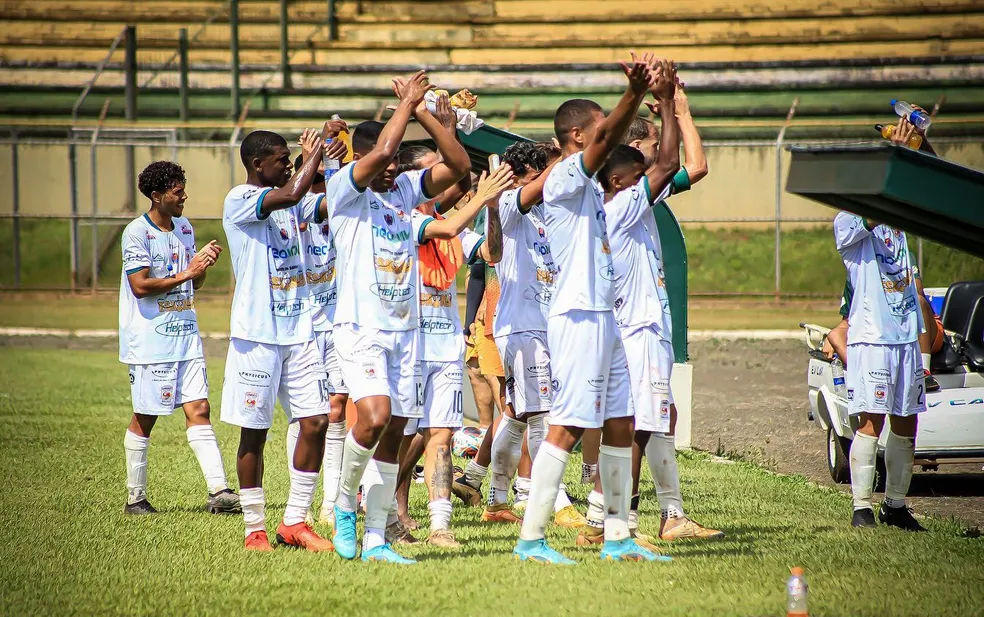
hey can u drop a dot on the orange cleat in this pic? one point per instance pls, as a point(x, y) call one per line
point(302, 536)
point(500, 513)
point(258, 541)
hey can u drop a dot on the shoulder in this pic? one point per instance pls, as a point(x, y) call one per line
point(135, 227)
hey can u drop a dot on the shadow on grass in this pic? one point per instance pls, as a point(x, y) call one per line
point(947, 485)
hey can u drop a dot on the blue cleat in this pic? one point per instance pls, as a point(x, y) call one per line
point(538, 551)
point(386, 554)
point(628, 550)
point(345, 540)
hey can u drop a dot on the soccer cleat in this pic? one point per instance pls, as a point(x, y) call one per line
point(629, 550)
point(345, 541)
point(644, 540)
point(410, 523)
point(466, 492)
point(864, 518)
point(931, 384)
point(397, 533)
point(569, 517)
point(538, 551)
point(327, 516)
point(500, 513)
point(139, 508)
point(225, 501)
point(899, 517)
point(443, 538)
point(385, 554)
point(686, 529)
point(301, 535)
point(520, 506)
point(588, 473)
point(258, 541)
point(589, 536)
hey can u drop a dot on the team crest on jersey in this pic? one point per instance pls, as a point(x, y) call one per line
point(544, 389)
point(283, 234)
point(250, 402)
point(324, 229)
point(388, 218)
point(186, 230)
point(370, 371)
point(174, 256)
point(540, 230)
point(151, 236)
point(167, 394)
point(881, 395)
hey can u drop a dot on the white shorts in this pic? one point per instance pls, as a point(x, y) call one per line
point(259, 374)
point(650, 364)
point(526, 360)
point(443, 395)
point(885, 379)
point(589, 369)
point(326, 345)
point(158, 389)
point(381, 363)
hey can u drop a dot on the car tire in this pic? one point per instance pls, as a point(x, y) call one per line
point(838, 457)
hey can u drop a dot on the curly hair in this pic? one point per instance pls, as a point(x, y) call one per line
point(549, 150)
point(160, 176)
point(524, 156)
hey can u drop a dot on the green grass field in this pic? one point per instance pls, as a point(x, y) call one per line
point(66, 548)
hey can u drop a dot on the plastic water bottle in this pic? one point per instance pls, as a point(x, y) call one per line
point(331, 165)
point(796, 590)
point(837, 371)
point(918, 118)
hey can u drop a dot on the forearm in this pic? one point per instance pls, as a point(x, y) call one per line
point(199, 281)
point(452, 152)
point(456, 223)
point(147, 286)
point(668, 157)
point(450, 198)
point(532, 193)
point(693, 149)
point(611, 130)
point(493, 236)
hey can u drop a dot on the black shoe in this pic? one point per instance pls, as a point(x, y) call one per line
point(225, 501)
point(931, 384)
point(863, 518)
point(139, 508)
point(899, 517)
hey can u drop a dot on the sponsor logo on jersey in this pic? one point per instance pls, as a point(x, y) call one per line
point(321, 278)
point(186, 230)
point(607, 273)
point(436, 300)
point(544, 387)
point(436, 325)
point(538, 369)
point(290, 281)
point(850, 394)
point(880, 393)
point(317, 251)
point(374, 205)
point(455, 375)
point(596, 384)
point(382, 232)
point(391, 292)
point(287, 253)
point(164, 373)
point(880, 375)
point(167, 395)
point(256, 378)
point(556, 385)
point(250, 402)
point(177, 327)
point(618, 302)
point(289, 309)
point(370, 371)
point(395, 266)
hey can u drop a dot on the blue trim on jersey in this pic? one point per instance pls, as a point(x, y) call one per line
point(259, 204)
point(135, 270)
point(423, 186)
point(584, 169)
point(351, 171)
point(649, 190)
point(317, 210)
point(681, 181)
point(473, 258)
point(420, 231)
point(154, 225)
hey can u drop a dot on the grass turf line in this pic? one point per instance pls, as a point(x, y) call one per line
point(66, 547)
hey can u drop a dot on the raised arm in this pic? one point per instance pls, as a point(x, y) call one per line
point(668, 158)
point(489, 189)
point(491, 249)
point(299, 183)
point(532, 193)
point(693, 149)
point(611, 130)
point(455, 164)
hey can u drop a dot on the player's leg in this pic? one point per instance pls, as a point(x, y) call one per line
point(507, 442)
point(467, 486)
point(192, 395)
point(482, 392)
point(867, 393)
point(335, 438)
point(411, 449)
point(590, 445)
point(521, 488)
point(152, 394)
point(438, 473)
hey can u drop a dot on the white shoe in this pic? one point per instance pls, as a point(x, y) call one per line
point(327, 515)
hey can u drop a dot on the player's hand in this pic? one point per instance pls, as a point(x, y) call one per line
point(310, 143)
point(213, 249)
point(412, 90)
point(335, 149)
point(490, 187)
point(445, 114)
point(638, 72)
point(681, 102)
point(333, 128)
point(203, 260)
point(903, 132)
point(663, 87)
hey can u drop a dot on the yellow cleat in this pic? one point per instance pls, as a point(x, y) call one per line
point(591, 536)
point(569, 517)
point(684, 529)
point(645, 541)
point(500, 513)
point(443, 538)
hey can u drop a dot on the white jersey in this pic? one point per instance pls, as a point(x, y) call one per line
point(884, 310)
point(319, 261)
point(160, 328)
point(271, 304)
point(574, 212)
point(440, 325)
point(526, 271)
point(640, 283)
point(376, 265)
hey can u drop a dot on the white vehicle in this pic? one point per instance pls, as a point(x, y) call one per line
point(951, 430)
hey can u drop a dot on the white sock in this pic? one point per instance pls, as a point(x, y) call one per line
point(475, 474)
point(440, 514)
point(615, 467)
point(506, 450)
point(302, 486)
point(136, 447)
point(596, 509)
point(253, 503)
point(354, 460)
point(661, 455)
point(899, 452)
point(293, 434)
point(393, 515)
point(926, 358)
point(202, 440)
point(379, 486)
point(562, 500)
point(536, 432)
point(864, 453)
point(522, 488)
point(548, 471)
point(332, 463)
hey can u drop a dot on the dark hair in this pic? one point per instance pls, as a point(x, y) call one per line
point(573, 113)
point(638, 130)
point(550, 151)
point(622, 156)
point(523, 156)
point(409, 158)
point(365, 136)
point(160, 176)
point(259, 144)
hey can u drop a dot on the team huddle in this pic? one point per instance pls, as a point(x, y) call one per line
point(345, 289)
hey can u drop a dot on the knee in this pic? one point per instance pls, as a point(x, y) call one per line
point(197, 412)
point(316, 425)
point(251, 441)
point(904, 427)
point(337, 410)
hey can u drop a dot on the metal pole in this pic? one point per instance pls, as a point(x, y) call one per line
point(332, 21)
point(73, 226)
point(130, 71)
point(284, 47)
point(183, 83)
point(920, 256)
point(94, 181)
point(779, 142)
point(234, 61)
point(15, 182)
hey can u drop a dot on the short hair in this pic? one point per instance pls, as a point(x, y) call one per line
point(259, 144)
point(160, 176)
point(550, 151)
point(622, 156)
point(409, 158)
point(523, 156)
point(365, 136)
point(638, 130)
point(573, 113)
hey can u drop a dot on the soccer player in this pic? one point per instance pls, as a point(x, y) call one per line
point(587, 358)
point(884, 369)
point(376, 319)
point(273, 353)
point(159, 337)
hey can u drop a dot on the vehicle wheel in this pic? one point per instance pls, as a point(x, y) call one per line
point(838, 457)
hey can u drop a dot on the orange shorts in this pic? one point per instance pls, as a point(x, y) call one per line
point(489, 360)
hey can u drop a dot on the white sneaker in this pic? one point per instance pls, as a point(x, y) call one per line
point(327, 516)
